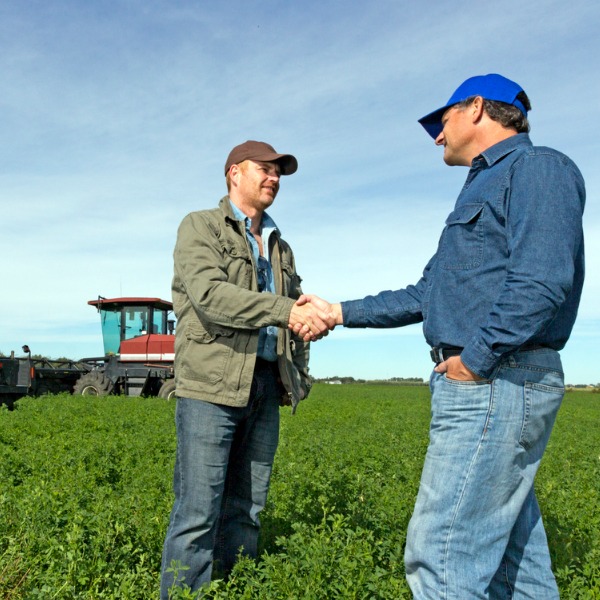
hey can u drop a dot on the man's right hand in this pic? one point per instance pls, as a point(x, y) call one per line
point(312, 317)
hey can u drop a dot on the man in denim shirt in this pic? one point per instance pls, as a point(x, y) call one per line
point(497, 301)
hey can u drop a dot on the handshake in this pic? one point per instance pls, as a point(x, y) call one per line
point(312, 317)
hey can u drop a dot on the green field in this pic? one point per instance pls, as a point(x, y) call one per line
point(85, 495)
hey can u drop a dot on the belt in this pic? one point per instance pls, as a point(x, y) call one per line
point(439, 355)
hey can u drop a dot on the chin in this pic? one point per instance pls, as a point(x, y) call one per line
point(450, 161)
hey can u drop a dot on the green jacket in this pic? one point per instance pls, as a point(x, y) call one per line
point(219, 311)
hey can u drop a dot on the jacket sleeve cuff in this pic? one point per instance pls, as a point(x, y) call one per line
point(285, 306)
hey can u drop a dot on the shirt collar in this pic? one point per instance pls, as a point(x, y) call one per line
point(266, 222)
point(498, 151)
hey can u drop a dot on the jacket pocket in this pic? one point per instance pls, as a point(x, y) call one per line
point(238, 264)
point(205, 354)
point(462, 246)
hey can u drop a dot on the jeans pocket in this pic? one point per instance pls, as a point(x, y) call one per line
point(540, 406)
point(465, 383)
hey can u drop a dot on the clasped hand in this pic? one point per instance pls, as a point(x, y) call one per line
point(312, 318)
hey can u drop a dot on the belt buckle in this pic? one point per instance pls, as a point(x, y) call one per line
point(437, 355)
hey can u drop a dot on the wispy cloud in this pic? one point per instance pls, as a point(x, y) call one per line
point(117, 118)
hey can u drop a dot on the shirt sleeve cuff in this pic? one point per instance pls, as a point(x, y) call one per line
point(478, 359)
point(353, 313)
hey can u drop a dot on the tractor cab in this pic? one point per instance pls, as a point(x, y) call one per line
point(123, 319)
point(139, 349)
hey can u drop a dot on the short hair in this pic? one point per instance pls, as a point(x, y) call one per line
point(507, 115)
point(243, 166)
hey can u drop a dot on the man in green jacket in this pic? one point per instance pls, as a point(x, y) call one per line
point(236, 361)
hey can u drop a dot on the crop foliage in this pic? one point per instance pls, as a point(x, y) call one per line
point(85, 496)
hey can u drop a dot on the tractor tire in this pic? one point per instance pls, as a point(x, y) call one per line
point(167, 390)
point(93, 383)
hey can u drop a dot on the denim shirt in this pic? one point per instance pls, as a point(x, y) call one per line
point(267, 336)
point(509, 266)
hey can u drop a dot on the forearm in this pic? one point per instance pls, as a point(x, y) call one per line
point(386, 309)
point(230, 305)
point(389, 308)
point(217, 283)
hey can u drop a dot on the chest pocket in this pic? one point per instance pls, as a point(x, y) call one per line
point(237, 264)
point(462, 246)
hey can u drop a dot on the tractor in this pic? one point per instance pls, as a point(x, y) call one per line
point(27, 376)
point(139, 349)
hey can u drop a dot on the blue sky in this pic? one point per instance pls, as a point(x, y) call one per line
point(117, 117)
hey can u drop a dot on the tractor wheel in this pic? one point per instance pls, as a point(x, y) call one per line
point(93, 383)
point(167, 390)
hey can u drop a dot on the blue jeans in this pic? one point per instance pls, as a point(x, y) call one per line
point(222, 471)
point(476, 530)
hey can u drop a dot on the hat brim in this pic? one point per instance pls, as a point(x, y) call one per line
point(287, 162)
point(432, 123)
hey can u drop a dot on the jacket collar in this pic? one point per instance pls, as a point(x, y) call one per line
point(225, 206)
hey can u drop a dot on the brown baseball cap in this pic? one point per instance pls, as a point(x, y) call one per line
point(252, 150)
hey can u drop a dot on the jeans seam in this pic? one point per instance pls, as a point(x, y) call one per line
point(534, 369)
point(219, 538)
point(464, 487)
point(179, 473)
point(526, 416)
point(504, 567)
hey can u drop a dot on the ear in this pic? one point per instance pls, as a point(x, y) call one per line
point(476, 109)
point(234, 173)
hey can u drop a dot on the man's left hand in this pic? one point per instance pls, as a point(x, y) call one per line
point(455, 369)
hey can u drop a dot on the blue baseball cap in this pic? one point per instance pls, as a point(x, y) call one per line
point(489, 87)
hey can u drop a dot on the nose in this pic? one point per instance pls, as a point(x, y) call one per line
point(439, 140)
